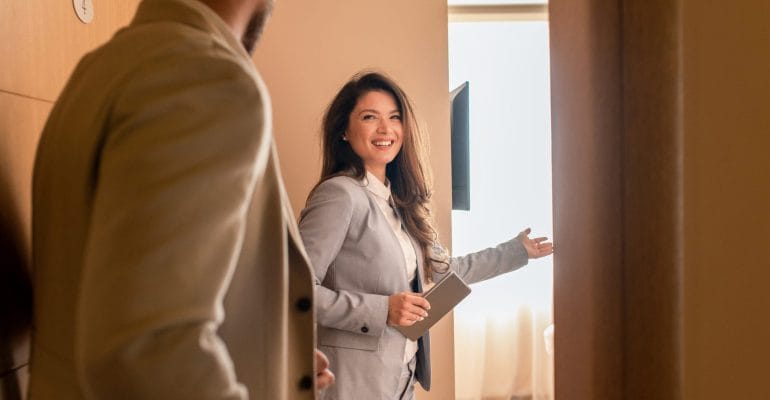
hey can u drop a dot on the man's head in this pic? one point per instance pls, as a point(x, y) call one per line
point(256, 24)
point(246, 18)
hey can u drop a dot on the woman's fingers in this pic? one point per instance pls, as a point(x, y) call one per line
point(415, 308)
point(418, 311)
point(543, 249)
point(405, 318)
point(406, 308)
point(409, 319)
point(536, 247)
point(419, 301)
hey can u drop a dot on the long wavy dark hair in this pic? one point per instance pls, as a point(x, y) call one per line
point(409, 173)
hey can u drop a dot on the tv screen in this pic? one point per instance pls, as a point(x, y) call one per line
point(460, 131)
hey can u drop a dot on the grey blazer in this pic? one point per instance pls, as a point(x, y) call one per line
point(358, 263)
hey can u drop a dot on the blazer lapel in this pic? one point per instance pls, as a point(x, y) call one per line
point(420, 269)
point(422, 367)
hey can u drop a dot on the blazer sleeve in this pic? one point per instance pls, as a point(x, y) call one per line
point(488, 263)
point(324, 225)
point(175, 177)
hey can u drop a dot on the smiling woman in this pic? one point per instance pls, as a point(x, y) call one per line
point(373, 248)
point(375, 131)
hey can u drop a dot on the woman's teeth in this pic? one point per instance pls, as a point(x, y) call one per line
point(383, 143)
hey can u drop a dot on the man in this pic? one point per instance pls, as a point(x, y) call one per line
point(166, 258)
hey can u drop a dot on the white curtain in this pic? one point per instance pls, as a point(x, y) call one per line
point(505, 354)
point(500, 344)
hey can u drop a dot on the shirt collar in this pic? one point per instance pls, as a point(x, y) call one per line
point(374, 185)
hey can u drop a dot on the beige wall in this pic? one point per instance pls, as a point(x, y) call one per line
point(308, 52)
point(727, 195)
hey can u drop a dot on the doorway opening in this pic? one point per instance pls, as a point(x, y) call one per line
point(503, 330)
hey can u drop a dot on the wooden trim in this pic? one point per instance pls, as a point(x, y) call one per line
point(652, 199)
point(618, 189)
point(3, 91)
point(498, 12)
point(586, 110)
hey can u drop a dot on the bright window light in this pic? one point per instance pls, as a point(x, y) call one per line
point(507, 66)
point(499, 329)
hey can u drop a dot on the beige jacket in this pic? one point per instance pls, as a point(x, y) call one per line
point(167, 264)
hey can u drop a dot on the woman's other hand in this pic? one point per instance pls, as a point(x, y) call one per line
point(537, 247)
point(323, 377)
point(406, 308)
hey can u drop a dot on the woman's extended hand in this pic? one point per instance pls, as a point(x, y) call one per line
point(537, 247)
point(406, 308)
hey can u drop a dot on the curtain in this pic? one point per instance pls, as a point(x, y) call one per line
point(503, 349)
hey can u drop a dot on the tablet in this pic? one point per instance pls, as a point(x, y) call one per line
point(443, 297)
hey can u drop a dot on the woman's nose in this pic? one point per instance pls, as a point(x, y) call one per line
point(383, 126)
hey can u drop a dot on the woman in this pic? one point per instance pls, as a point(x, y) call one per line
point(367, 231)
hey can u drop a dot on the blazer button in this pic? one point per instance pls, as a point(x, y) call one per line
point(304, 304)
point(364, 329)
point(306, 383)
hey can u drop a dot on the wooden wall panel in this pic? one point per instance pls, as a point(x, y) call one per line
point(43, 40)
point(652, 199)
point(21, 121)
point(587, 190)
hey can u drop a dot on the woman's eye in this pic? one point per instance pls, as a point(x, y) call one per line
point(396, 117)
point(368, 116)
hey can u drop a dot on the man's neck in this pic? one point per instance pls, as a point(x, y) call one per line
point(231, 12)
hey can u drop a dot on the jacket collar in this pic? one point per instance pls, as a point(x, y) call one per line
point(374, 185)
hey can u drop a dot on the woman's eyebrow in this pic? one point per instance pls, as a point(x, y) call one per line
point(371, 110)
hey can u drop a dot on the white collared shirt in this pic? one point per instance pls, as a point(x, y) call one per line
point(382, 196)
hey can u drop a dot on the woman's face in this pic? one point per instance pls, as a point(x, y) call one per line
point(374, 130)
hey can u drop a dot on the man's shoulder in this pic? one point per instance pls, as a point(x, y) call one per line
point(164, 41)
point(164, 54)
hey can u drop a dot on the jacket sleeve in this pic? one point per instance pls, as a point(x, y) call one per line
point(324, 225)
point(174, 180)
point(488, 263)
